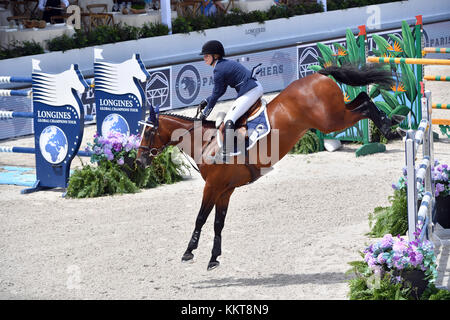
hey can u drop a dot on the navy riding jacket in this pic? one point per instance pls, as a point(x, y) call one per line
point(229, 73)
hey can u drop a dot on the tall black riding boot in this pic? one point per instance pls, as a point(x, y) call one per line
point(228, 139)
point(379, 118)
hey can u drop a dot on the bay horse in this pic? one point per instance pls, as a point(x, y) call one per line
point(315, 101)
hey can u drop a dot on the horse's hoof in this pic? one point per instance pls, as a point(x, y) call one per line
point(397, 118)
point(187, 257)
point(212, 265)
point(401, 132)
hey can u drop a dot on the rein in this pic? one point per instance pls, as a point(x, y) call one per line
point(156, 151)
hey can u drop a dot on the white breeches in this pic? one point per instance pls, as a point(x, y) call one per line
point(243, 103)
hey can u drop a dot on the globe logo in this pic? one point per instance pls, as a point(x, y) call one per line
point(115, 123)
point(53, 144)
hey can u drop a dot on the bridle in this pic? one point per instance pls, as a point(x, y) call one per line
point(153, 152)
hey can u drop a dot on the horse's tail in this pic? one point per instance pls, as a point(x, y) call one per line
point(354, 76)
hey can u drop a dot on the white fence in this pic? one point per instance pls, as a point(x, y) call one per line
point(414, 138)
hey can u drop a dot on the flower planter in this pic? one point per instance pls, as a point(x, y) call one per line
point(415, 279)
point(443, 211)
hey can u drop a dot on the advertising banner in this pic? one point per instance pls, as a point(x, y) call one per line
point(58, 124)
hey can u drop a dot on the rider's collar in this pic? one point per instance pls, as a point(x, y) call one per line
point(216, 62)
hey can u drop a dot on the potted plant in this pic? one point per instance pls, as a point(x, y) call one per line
point(394, 268)
point(117, 148)
point(116, 171)
point(440, 175)
point(394, 219)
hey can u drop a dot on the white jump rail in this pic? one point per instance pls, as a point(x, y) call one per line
point(414, 138)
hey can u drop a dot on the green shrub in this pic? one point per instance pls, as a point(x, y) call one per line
point(309, 143)
point(19, 49)
point(104, 179)
point(393, 219)
point(106, 34)
point(365, 285)
point(153, 30)
point(433, 293)
point(62, 43)
point(108, 178)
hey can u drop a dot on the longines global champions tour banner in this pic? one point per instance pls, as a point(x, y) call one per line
point(58, 124)
point(119, 97)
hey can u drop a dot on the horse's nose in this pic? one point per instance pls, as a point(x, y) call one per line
point(143, 161)
point(140, 163)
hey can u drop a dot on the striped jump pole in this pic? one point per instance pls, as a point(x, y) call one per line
point(441, 122)
point(437, 78)
point(8, 79)
point(436, 50)
point(80, 153)
point(6, 115)
point(20, 93)
point(444, 62)
point(440, 106)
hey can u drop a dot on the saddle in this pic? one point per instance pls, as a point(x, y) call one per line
point(250, 127)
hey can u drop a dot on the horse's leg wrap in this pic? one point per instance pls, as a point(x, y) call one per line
point(193, 243)
point(219, 222)
point(379, 118)
point(205, 209)
point(217, 247)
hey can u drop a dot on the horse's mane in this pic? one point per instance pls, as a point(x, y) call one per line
point(179, 116)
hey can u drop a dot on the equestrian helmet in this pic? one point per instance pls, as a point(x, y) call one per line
point(213, 47)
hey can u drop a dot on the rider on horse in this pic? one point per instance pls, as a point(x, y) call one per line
point(229, 73)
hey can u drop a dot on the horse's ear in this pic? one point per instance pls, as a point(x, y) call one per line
point(157, 114)
point(152, 118)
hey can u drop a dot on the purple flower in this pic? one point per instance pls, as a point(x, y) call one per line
point(97, 150)
point(387, 241)
point(404, 170)
point(439, 188)
point(400, 247)
point(108, 154)
point(128, 147)
point(371, 262)
point(101, 140)
point(120, 162)
point(117, 146)
point(416, 258)
point(398, 279)
point(381, 259)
